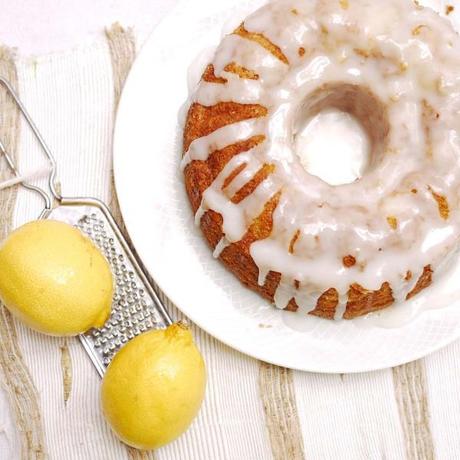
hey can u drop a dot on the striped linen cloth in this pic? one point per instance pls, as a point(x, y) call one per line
point(49, 398)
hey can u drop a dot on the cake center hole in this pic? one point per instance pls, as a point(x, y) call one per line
point(334, 146)
point(340, 133)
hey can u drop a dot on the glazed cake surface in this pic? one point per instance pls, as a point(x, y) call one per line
point(332, 251)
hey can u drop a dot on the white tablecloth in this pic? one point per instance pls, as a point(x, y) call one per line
point(69, 74)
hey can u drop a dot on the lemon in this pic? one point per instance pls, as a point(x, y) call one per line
point(154, 387)
point(54, 278)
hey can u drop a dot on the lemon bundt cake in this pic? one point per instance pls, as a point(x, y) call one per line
point(331, 251)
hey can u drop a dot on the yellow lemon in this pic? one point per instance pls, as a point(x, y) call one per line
point(54, 279)
point(154, 387)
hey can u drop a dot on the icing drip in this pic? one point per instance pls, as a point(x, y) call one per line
point(341, 307)
point(263, 272)
point(283, 293)
point(199, 214)
point(201, 148)
point(221, 245)
point(250, 91)
point(236, 216)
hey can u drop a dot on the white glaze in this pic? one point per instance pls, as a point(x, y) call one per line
point(413, 64)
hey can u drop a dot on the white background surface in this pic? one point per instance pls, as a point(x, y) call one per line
point(37, 27)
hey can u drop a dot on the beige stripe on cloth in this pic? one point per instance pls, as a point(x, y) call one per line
point(281, 417)
point(21, 391)
point(122, 48)
point(411, 396)
point(67, 372)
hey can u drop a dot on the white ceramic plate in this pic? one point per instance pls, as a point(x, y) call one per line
point(160, 222)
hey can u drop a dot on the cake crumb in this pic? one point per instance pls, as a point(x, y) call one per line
point(293, 241)
point(392, 222)
point(349, 261)
point(443, 206)
point(344, 4)
point(362, 52)
point(241, 71)
point(301, 51)
point(429, 112)
point(408, 276)
point(417, 30)
point(414, 190)
point(294, 11)
point(449, 9)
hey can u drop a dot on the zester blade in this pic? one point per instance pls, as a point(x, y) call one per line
point(135, 306)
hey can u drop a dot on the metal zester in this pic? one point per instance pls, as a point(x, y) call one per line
point(136, 306)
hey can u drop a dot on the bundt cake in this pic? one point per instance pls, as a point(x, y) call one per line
point(330, 251)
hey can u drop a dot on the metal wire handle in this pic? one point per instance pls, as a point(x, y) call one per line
point(74, 211)
point(52, 178)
